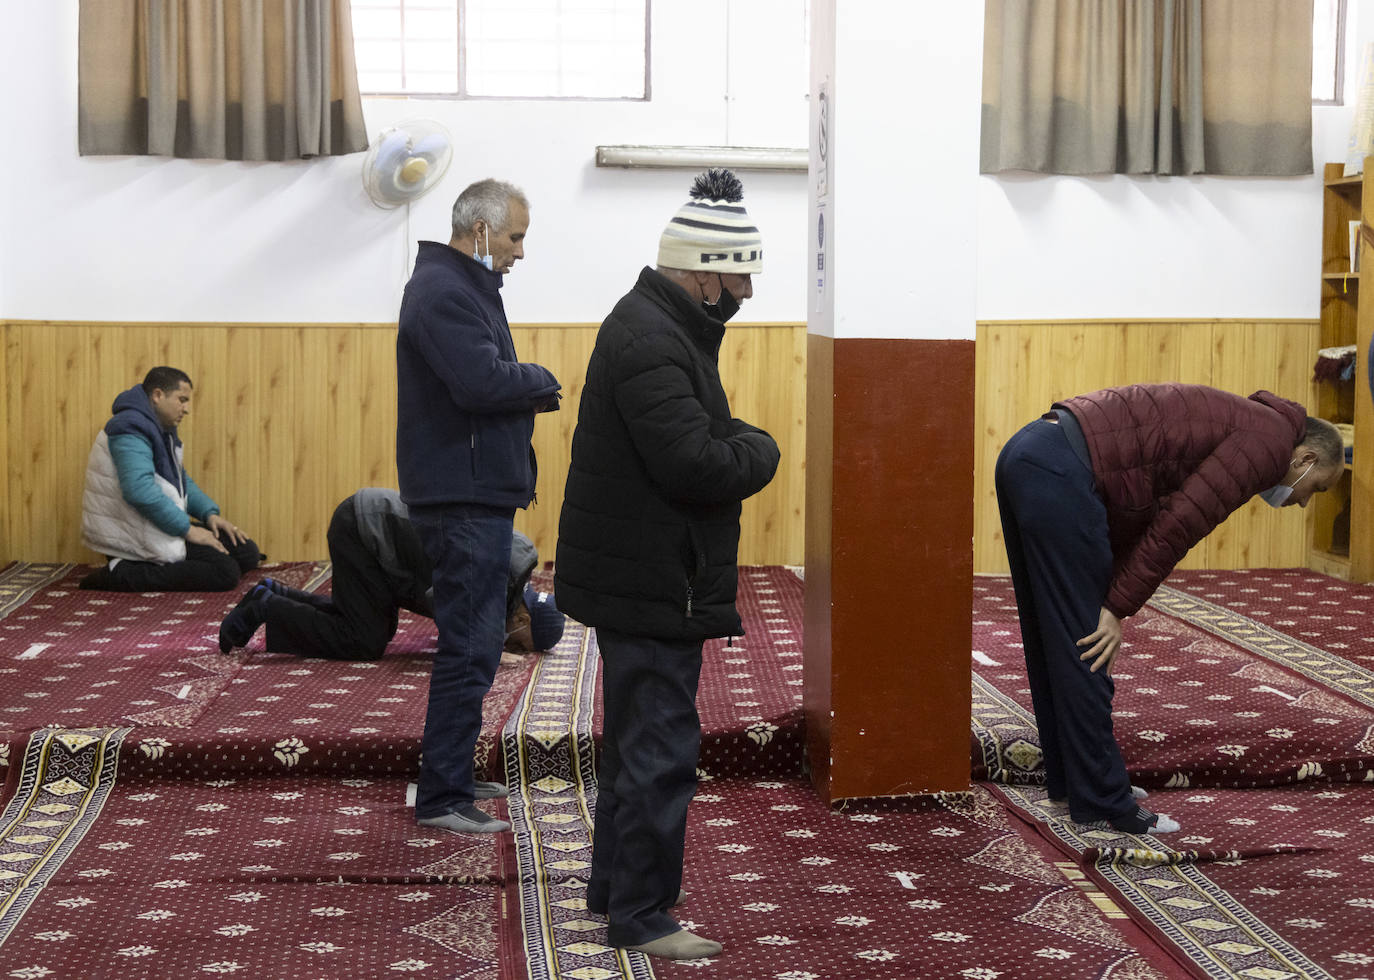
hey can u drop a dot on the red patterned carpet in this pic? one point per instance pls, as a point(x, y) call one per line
point(1244, 701)
point(924, 887)
point(174, 812)
point(909, 889)
point(197, 813)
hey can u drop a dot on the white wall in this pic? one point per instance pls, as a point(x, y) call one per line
point(1119, 246)
point(119, 238)
point(145, 238)
point(904, 93)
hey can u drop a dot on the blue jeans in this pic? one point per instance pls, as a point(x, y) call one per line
point(469, 546)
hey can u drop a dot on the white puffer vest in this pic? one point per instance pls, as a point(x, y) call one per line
point(112, 526)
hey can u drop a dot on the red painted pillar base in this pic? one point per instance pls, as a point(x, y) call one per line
point(889, 565)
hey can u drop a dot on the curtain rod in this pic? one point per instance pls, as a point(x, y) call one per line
point(695, 157)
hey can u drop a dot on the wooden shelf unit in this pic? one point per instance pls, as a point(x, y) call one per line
point(1347, 510)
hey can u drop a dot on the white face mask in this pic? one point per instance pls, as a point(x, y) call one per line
point(1278, 496)
point(484, 259)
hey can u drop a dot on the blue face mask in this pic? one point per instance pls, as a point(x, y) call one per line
point(1278, 496)
point(484, 259)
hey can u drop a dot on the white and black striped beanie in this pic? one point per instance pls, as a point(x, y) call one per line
point(712, 231)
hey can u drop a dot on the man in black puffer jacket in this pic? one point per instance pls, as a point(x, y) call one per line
point(647, 545)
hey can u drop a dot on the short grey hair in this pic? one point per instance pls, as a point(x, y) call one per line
point(1325, 440)
point(487, 200)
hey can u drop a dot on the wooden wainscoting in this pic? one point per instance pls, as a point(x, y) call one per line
point(288, 419)
point(1022, 368)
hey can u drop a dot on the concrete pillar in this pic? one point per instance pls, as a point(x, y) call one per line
point(889, 495)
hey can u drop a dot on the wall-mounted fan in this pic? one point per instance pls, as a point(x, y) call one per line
point(405, 161)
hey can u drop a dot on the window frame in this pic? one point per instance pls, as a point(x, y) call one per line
point(1338, 94)
point(461, 93)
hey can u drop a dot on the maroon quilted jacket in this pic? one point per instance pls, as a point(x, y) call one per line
point(1171, 462)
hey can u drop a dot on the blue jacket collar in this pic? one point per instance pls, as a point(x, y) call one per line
point(133, 414)
point(478, 274)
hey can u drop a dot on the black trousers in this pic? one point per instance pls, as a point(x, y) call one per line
point(356, 622)
point(646, 777)
point(203, 570)
point(1055, 528)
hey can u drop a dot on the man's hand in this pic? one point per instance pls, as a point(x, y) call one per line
point(204, 536)
point(1104, 642)
point(220, 526)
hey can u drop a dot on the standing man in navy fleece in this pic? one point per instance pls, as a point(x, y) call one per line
point(465, 415)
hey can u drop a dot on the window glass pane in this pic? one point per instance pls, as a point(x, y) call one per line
point(379, 81)
point(369, 23)
point(555, 48)
point(516, 48)
point(432, 83)
point(1327, 40)
point(432, 25)
point(376, 56)
point(432, 56)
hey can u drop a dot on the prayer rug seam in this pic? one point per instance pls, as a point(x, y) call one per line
point(22, 580)
point(550, 762)
point(66, 778)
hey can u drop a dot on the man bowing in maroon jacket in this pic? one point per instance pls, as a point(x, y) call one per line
point(1100, 498)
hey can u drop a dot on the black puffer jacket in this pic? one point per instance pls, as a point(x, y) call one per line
point(649, 533)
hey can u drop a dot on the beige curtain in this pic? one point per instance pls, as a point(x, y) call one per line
point(221, 79)
point(1147, 86)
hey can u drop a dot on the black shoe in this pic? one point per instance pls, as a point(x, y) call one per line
point(244, 619)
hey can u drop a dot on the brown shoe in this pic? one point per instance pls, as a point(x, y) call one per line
point(680, 945)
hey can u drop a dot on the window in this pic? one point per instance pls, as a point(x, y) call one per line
point(1328, 51)
point(539, 49)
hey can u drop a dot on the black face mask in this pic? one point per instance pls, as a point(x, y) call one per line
point(724, 307)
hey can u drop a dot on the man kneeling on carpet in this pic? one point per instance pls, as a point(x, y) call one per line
point(1100, 498)
point(379, 568)
point(141, 509)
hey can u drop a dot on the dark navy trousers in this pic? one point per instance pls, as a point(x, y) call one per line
point(469, 546)
point(1055, 528)
point(647, 775)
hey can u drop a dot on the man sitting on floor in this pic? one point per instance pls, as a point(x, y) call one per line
point(139, 501)
point(379, 568)
point(1100, 498)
